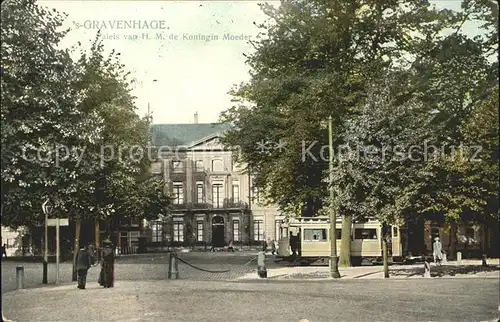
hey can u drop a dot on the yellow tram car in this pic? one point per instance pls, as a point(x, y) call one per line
point(312, 239)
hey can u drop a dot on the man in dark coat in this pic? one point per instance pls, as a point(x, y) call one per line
point(83, 263)
point(107, 277)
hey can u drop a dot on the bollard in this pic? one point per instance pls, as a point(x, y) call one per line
point(20, 277)
point(261, 265)
point(427, 269)
point(173, 271)
point(484, 263)
point(459, 258)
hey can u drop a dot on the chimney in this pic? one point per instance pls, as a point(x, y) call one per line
point(196, 118)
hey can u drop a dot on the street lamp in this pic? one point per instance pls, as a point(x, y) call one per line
point(334, 262)
point(47, 208)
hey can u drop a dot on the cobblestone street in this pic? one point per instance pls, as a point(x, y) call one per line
point(187, 300)
point(141, 267)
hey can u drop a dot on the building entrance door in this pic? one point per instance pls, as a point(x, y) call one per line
point(218, 232)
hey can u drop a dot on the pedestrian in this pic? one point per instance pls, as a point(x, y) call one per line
point(83, 263)
point(273, 247)
point(230, 248)
point(264, 246)
point(106, 277)
point(92, 253)
point(437, 251)
point(4, 250)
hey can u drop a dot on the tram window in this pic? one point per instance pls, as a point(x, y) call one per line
point(365, 234)
point(315, 234)
point(339, 233)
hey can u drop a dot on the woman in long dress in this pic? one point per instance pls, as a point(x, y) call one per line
point(108, 265)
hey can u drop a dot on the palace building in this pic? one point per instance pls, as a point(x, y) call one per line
point(213, 201)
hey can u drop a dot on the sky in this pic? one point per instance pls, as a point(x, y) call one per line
point(176, 77)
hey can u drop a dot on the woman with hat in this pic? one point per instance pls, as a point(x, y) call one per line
point(437, 251)
point(106, 277)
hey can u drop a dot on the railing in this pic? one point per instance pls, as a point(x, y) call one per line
point(127, 250)
point(227, 204)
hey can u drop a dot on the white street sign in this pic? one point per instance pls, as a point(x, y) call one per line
point(62, 222)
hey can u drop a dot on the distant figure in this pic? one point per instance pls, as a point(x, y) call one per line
point(293, 244)
point(437, 251)
point(106, 277)
point(264, 246)
point(92, 253)
point(83, 263)
point(230, 248)
point(273, 247)
point(427, 267)
point(4, 250)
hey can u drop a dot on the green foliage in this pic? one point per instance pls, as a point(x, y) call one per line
point(39, 113)
point(383, 153)
point(318, 59)
point(82, 119)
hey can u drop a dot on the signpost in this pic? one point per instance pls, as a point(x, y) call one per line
point(57, 223)
point(47, 209)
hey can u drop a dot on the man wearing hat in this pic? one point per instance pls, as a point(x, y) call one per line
point(437, 251)
point(106, 278)
point(83, 263)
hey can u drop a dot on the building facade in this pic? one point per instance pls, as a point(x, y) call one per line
point(213, 201)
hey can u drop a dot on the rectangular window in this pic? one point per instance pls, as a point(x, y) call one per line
point(133, 237)
point(278, 229)
point(199, 166)
point(236, 230)
point(338, 232)
point(395, 231)
point(11, 242)
point(217, 195)
point(178, 231)
point(364, 233)
point(156, 231)
point(177, 166)
point(236, 193)
point(315, 235)
point(199, 192)
point(156, 168)
point(178, 193)
point(217, 165)
point(258, 230)
point(199, 230)
point(255, 194)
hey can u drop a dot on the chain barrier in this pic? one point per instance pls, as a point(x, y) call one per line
point(250, 261)
point(199, 268)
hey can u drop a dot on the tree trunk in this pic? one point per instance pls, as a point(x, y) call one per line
point(385, 255)
point(97, 235)
point(76, 247)
point(345, 244)
point(453, 240)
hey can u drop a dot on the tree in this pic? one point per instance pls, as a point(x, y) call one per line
point(383, 154)
point(317, 60)
point(43, 130)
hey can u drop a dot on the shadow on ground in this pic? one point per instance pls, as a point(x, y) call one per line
point(445, 270)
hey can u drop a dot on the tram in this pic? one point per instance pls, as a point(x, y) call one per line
point(309, 239)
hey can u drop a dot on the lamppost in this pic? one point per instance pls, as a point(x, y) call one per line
point(334, 260)
point(47, 209)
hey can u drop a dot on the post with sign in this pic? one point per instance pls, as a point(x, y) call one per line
point(47, 209)
point(58, 222)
